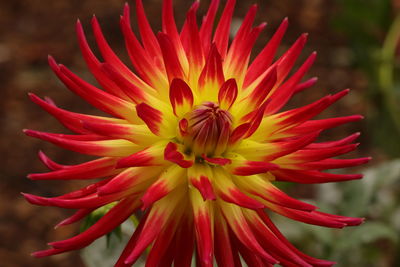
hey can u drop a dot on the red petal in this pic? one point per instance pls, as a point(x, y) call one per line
point(253, 167)
point(151, 116)
point(221, 36)
point(227, 94)
point(116, 216)
point(172, 154)
point(207, 25)
point(263, 60)
point(181, 97)
point(171, 60)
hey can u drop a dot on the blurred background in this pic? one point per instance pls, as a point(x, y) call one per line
point(358, 47)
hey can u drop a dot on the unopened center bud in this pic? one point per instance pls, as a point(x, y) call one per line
point(209, 129)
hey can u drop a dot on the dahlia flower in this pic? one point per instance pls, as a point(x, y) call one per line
point(194, 143)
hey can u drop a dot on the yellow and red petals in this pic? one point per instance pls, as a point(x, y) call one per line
point(190, 38)
point(151, 156)
point(203, 223)
point(227, 94)
point(169, 29)
point(269, 151)
point(157, 121)
point(171, 60)
point(116, 216)
point(212, 76)
point(105, 148)
point(281, 97)
point(71, 120)
point(98, 98)
point(135, 93)
point(238, 56)
point(149, 40)
point(131, 180)
point(175, 154)
point(221, 35)
point(264, 59)
point(200, 176)
point(229, 192)
point(237, 222)
point(260, 92)
point(248, 167)
point(247, 129)
point(152, 72)
point(287, 60)
point(155, 222)
point(216, 161)
point(138, 134)
point(90, 170)
point(109, 56)
point(95, 66)
point(181, 97)
point(207, 26)
point(196, 143)
point(169, 179)
point(259, 187)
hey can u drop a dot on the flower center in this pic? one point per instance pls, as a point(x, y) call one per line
point(209, 129)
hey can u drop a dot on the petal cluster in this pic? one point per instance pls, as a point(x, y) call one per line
point(194, 142)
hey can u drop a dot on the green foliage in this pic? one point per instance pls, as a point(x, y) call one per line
point(373, 35)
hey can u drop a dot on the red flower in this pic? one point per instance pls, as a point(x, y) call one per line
point(196, 141)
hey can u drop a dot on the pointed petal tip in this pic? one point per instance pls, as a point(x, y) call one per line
point(254, 6)
point(32, 96)
point(51, 59)
point(37, 254)
point(262, 25)
point(30, 198)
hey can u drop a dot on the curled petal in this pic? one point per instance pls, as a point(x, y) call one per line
point(172, 153)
